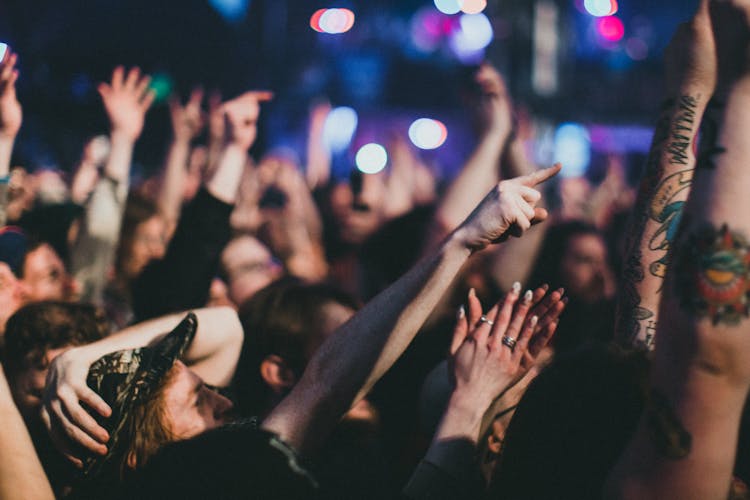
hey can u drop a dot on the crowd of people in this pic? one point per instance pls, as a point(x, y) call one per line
point(233, 329)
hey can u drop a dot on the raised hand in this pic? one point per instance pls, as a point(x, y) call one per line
point(489, 353)
point(494, 109)
point(68, 423)
point(11, 115)
point(187, 120)
point(126, 100)
point(690, 57)
point(508, 210)
point(242, 115)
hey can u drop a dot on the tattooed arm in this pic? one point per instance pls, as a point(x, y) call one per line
point(691, 77)
point(685, 443)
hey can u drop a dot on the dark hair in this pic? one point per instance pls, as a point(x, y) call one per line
point(285, 318)
point(547, 266)
point(572, 424)
point(38, 327)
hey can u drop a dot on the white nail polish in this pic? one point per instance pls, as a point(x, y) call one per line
point(534, 320)
point(516, 288)
point(527, 296)
point(461, 312)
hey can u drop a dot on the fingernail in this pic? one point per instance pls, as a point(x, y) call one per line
point(561, 290)
point(461, 312)
point(527, 296)
point(545, 287)
point(516, 288)
point(534, 320)
point(472, 292)
point(564, 300)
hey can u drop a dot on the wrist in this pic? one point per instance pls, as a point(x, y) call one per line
point(462, 241)
point(121, 137)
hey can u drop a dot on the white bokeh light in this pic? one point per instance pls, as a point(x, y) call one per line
point(339, 128)
point(448, 6)
point(371, 158)
point(572, 146)
point(426, 133)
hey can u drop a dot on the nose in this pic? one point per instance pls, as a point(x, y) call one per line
point(223, 407)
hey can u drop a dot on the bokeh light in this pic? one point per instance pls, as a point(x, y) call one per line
point(339, 128)
point(474, 34)
point(610, 28)
point(161, 85)
point(572, 148)
point(315, 20)
point(371, 158)
point(332, 21)
point(448, 6)
point(600, 8)
point(426, 133)
point(472, 6)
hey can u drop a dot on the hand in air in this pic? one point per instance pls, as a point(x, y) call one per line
point(126, 100)
point(489, 353)
point(11, 114)
point(508, 210)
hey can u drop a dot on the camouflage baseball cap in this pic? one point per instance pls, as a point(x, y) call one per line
point(125, 379)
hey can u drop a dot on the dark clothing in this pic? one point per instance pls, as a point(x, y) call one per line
point(182, 279)
point(235, 461)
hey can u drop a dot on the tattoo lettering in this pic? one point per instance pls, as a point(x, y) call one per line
point(667, 433)
point(682, 131)
point(712, 276)
point(666, 210)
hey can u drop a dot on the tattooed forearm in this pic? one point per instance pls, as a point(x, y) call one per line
point(712, 271)
point(682, 131)
point(666, 210)
point(709, 147)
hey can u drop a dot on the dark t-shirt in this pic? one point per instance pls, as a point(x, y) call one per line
point(235, 461)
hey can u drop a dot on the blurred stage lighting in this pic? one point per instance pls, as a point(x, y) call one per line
point(371, 158)
point(339, 128)
point(473, 6)
point(332, 21)
point(161, 84)
point(572, 148)
point(475, 33)
point(426, 133)
point(600, 8)
point(610, 28)
point(448, 6)
point(231, 10)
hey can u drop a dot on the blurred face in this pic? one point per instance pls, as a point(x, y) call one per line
point(191, 407)
point(356, 225)
point(249, 266)
point(45, 277)
point(10, 294)
point(584, 270)
point(149, 242)
point(28, 386)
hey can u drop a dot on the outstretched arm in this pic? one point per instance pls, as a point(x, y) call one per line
point(10, 123)
point(691, 77)
point(686, 441)
point(21, 472)
point(349, 363)
point(187, 123)
point(126, 100)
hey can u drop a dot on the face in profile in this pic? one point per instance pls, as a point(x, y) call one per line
point(191, 407)
point(584, 269)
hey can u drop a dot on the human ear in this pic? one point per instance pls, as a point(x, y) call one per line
point(277, 374)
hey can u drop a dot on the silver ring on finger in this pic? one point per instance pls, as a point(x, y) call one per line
point(509, 341)
point(484, 319)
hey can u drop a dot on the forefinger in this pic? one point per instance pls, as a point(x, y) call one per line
point(540, 176)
